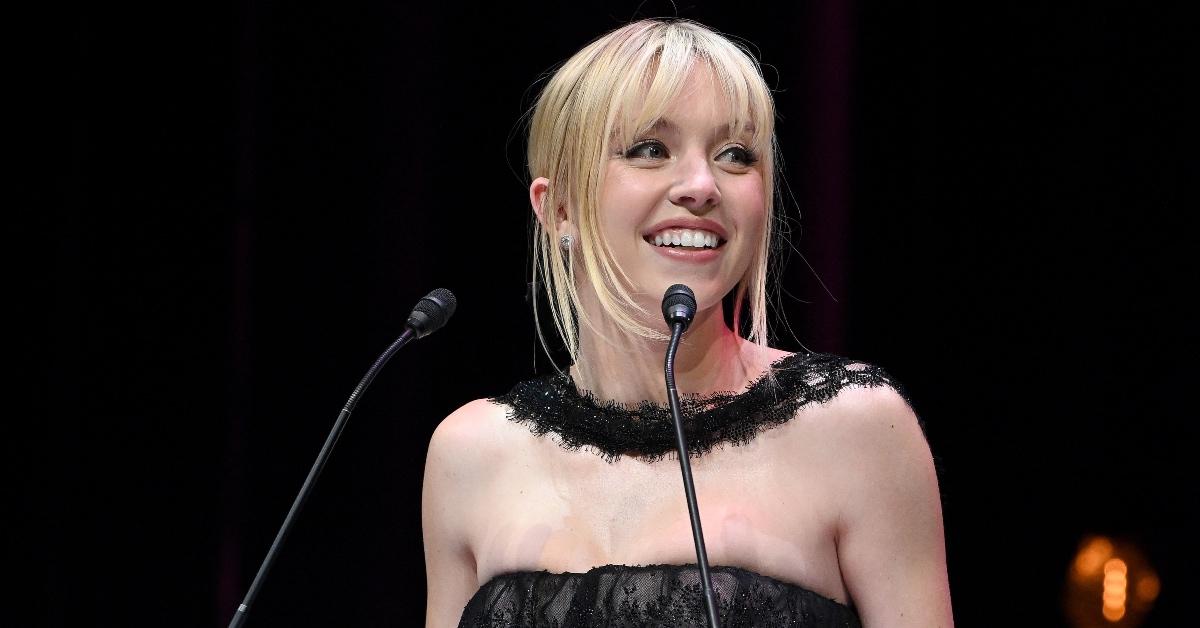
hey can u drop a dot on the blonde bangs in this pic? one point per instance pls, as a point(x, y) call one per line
point(656, 76)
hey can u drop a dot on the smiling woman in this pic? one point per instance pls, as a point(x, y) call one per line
point(613, 105)
point(651, 157)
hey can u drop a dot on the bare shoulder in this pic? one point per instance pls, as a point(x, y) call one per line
point(473, 420)
point(890, 541)
point(877, 412)
point(464, 451)
point(478, 413)
point(469, 437)
point(874, 437)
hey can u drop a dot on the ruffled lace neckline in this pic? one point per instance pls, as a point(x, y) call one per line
point(553, 405)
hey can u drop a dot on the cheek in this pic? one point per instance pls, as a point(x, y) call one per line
point(749, 204)
point(625, 202)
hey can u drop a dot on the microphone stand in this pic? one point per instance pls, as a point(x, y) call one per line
point(430, 314)
point(243, 610)
point(685, 466)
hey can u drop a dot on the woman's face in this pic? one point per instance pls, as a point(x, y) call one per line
point(685, 202)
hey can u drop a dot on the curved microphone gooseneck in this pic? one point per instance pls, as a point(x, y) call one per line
point(679, 307)
point(430, 314)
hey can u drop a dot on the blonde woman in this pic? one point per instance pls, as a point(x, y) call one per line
point(558, 504)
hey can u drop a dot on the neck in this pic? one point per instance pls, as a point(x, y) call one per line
point(711, 358)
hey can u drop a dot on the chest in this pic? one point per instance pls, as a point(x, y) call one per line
point(569, 511)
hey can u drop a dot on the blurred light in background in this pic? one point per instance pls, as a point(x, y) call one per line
point(1110, 584)
point(1115, 585)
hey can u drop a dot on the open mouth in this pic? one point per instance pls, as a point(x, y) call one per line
point(693, 239)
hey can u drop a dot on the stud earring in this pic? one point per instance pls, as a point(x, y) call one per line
point(564, 243)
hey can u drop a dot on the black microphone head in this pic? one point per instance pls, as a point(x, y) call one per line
point(679, 305)
point(432, 312)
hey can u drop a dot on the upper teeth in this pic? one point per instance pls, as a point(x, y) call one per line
point(695, 238)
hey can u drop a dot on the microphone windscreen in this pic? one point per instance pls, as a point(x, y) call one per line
point(679, 303)
point(432, 312)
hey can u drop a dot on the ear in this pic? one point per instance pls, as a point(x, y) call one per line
point(538, 191)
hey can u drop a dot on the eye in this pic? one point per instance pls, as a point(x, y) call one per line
point(738, 155)
point(647, 149)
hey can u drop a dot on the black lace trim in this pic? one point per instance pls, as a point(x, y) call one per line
point(552, 404)
point(658, 596)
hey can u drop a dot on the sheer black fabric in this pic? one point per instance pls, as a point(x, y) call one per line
point(578, 420)
point(658, 596)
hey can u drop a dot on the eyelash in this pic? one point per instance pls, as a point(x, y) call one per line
point(750, 159)
point(632, 151)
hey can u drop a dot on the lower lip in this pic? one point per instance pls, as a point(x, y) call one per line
point(685, 254)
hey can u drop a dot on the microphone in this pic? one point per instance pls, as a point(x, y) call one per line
point(430, 314)
point(679, 308)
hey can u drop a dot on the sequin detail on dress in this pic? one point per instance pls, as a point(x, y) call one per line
point(578, 420)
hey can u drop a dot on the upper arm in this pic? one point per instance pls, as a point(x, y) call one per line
point(450, 492)
point(891, 545)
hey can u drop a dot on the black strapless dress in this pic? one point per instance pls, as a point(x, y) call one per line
point(666, 595)
point(657, 595)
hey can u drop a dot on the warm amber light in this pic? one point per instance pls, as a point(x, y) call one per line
point(1115, 585)
point(1109, 582)
point(1092, 556)
point(1147, 588)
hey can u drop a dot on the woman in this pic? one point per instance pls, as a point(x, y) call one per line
point(650, 153)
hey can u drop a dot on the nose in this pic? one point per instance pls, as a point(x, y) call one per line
point(696, 188)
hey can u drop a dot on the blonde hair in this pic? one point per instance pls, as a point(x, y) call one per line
point(609, 92)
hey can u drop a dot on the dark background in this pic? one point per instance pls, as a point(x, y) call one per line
point(245, 200)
